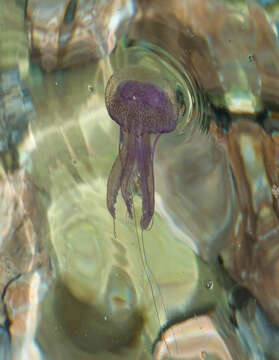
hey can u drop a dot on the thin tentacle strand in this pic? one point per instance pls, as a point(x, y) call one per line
point(145, 167)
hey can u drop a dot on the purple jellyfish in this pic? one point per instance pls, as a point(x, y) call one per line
point(140, 109)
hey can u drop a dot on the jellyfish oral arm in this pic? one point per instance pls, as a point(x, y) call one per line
point(145, 168)
point(135, 154)
point(114, 182)
point(121, 174)
point(128, 168)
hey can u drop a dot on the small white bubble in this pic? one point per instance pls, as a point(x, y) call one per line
point(91, 88)
point(209, 284)
point(252, 58)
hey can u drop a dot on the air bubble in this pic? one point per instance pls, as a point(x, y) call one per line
point(209, 284)
point(252, 58)
point(91, 88)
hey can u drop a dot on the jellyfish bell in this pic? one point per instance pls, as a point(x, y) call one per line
point(142, 108)
point(142, 103)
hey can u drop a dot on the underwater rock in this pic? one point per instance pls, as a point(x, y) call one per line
point(22, 299)
point(195, 183)
point(16, 112)
point(232, 49)
point(21, 252)
point(194, 339)
point(13, 38)
point(21, 249)
point(251, 256)
point(70, 32)
point(5, 346)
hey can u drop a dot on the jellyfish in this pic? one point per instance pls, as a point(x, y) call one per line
point(144, 107)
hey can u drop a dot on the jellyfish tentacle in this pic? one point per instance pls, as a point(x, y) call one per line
point(146, 173)
point(128, 172)
point(114, 180)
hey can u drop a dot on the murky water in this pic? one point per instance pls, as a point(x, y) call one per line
point(82, 281)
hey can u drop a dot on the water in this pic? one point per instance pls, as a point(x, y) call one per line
point(200, 282)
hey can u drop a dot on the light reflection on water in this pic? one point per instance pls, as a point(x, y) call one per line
point(105, 290)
